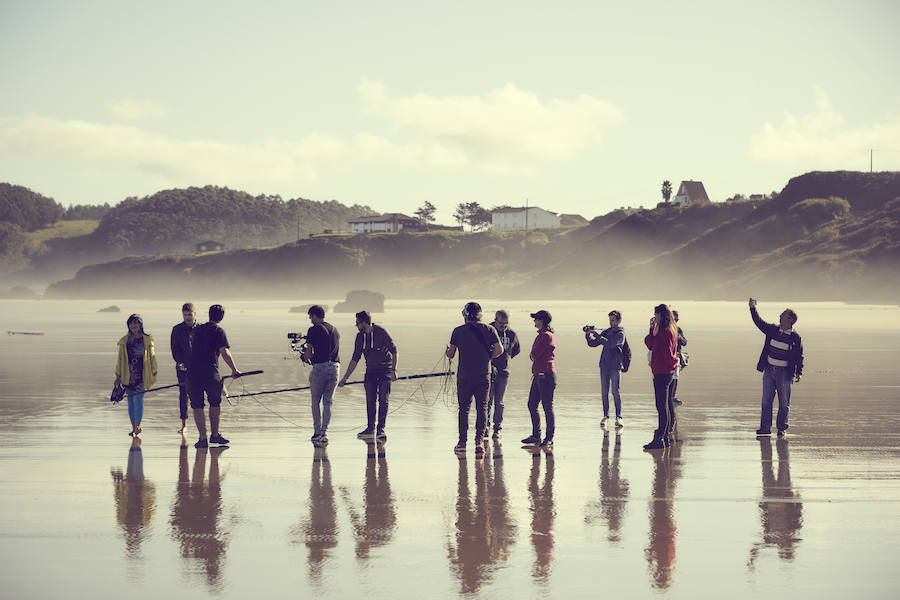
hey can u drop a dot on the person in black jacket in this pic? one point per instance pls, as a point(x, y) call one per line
point(780, 362)
point(680, 342)
point(500, 372)
point(181, 339)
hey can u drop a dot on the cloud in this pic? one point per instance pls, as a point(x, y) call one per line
point(130, 110)
point(179, 162)
point(129, 146)
point(820, 137)
point(505, 121)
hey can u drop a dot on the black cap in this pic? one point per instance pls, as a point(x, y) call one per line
point(543, 315)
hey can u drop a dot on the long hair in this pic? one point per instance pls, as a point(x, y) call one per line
point(666, 318)
point(135, 318)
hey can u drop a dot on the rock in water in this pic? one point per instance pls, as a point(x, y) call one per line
point(358, 300)
point(110, 309)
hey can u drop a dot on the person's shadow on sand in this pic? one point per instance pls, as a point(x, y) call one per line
point(135, 500)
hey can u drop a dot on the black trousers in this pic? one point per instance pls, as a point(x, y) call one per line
point(665, 407)
point(542, 387)
point(182, 393)
point(466, 389)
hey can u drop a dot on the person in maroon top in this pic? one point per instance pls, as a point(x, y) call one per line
point(662, 342)
point(543, 369)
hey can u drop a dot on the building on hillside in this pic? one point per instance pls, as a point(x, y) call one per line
point(209, 246)
point(691, 193)
point(388, 222)
point(567, 220)
point(533, 217)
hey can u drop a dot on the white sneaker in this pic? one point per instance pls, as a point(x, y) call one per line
point(620, 422)
point(604, 422)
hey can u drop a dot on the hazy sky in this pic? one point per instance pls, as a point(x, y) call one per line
point(578, 106)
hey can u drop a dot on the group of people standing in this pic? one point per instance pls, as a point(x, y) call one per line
point(482, 373)
point(196, 350)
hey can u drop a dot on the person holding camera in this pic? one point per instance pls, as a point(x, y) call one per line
point(322, 351)
point(477, 344)
point(780, 362)
point(612, 339)
point(381, 369)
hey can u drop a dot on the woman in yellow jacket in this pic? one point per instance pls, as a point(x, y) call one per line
point(136, 368)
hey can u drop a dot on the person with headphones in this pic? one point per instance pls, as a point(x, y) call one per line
point(477, 344)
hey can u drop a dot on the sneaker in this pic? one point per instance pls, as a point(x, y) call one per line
point(677, 402)
point(479, 448)
point(323, 439)
point(620, 422)
point(459, 447)
point(782, 432)
point(763, 432)
point(496, 435)
point(532, 440)
point(381, 436)
point(217, 439)
point(201, 443)
point(367, 432)
point(314, 438)
point(604, 422)
point(548, 443)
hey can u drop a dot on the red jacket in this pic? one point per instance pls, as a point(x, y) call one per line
point(663, 359)
point(543, 351)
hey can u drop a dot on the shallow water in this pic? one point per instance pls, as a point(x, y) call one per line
point(815, 514)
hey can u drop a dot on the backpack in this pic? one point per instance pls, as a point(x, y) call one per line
point(626, 356)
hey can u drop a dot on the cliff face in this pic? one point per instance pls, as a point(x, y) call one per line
point(826, 236)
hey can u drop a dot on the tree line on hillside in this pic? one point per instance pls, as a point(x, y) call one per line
point(176, 220)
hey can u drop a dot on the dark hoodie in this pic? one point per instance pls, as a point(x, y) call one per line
point(510, 342)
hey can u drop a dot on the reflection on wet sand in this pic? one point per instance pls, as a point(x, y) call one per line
point(135, 500)
point(543, 513)
point(613, 492)
point(660, 552)
point(781, 510)
point(195, 515)
point(374, 526)
point(484, 528)
point(319, 532)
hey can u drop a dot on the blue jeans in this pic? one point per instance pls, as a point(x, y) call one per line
point(135, 405)
point(378, 390)
point(609, 378)
point(775, 380)
point(322, 381)
point(495, 400)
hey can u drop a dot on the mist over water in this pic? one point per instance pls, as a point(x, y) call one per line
point(87, 512)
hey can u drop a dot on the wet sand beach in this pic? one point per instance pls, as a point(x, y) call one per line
point(85, 510)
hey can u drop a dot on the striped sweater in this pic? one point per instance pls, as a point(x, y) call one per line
point(782, 348)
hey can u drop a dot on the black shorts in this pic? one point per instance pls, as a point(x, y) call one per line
point(210, 386)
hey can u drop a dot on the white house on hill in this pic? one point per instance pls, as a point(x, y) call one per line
point(388, 222)
point(533, 217)
point(691, 193)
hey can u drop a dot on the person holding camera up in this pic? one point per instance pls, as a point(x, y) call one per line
point(322, 351)
point(381, 369)
point(780, 361)
point(612, 339)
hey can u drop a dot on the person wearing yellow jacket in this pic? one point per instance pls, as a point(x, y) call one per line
point(136, 368)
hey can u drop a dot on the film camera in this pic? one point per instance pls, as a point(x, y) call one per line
point(299, 345)
point(587, 328)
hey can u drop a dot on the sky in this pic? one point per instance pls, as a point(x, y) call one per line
point(577, 107)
